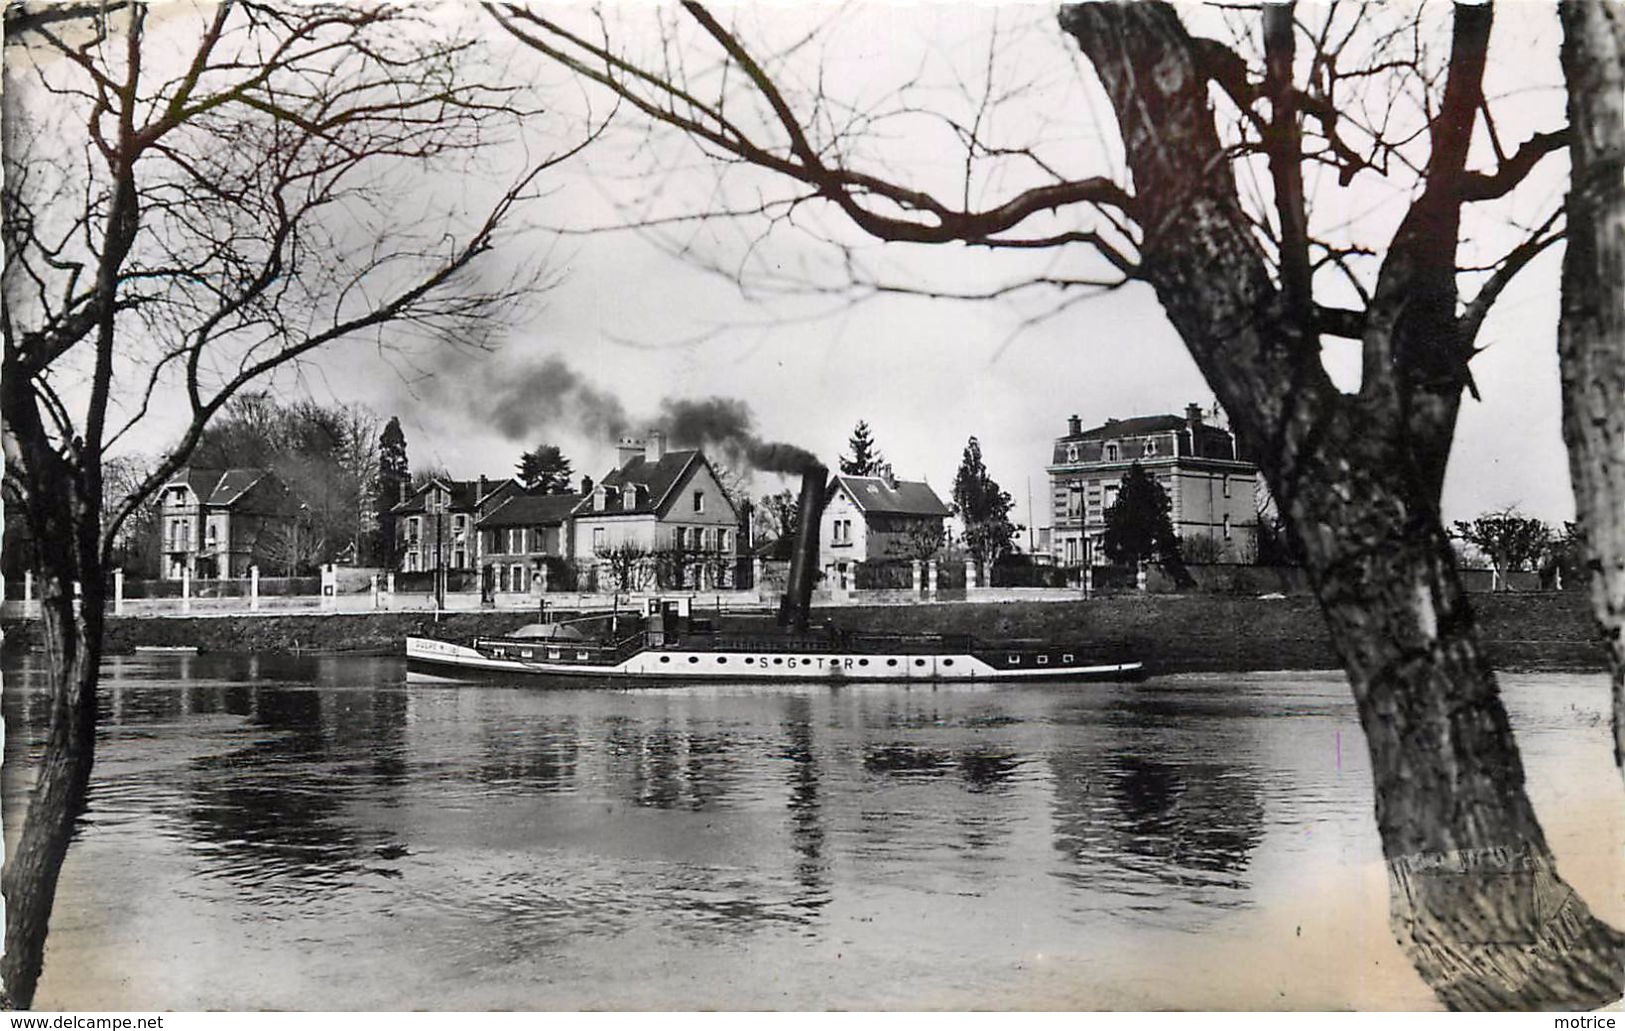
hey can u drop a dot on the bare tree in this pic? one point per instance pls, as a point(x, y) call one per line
point(193, 199)
point(1591, 337)
point(1212, 210)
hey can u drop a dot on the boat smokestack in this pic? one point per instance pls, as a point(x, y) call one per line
point(797, 605)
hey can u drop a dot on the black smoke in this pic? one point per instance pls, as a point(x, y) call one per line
point(523, 403)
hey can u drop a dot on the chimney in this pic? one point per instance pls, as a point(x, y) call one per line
point(1193, 414)
point(1074, 426)
point(797, 604)
point(654, 449)
point(586, 485)
point(886, 475)
point(401, 490)
point(627, 450)
point(479, 495)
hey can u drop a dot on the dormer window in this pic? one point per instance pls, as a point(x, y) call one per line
point(1151, 448)
point(699, 501)
point(1072, 452)
point(1111, 452)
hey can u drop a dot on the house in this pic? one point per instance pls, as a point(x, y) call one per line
point(437, 521)
point(660, 516)
point(870, 518)
point(520, 534)
point(1196, 463)
point(215, 523)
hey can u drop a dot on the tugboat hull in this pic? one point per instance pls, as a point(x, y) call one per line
point(442, 660)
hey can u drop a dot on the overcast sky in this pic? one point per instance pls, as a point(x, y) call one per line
point(635, 321)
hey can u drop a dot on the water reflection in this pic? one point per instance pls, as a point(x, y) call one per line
point(623, 840)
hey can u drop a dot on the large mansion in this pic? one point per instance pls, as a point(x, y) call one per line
point(1195, 462)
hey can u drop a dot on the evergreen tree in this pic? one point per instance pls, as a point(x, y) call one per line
point(394, 472)
point(545, 470)
point(982, 507)
point(1138, 526)
point(865, 458)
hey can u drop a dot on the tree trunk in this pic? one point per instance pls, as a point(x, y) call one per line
point(73, 642)
point(1475, 897)
point(62, 507)
point(1591, 335)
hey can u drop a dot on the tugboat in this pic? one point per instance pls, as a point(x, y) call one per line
point(667, 643)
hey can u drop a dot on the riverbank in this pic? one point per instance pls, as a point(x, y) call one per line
point(1546, 631)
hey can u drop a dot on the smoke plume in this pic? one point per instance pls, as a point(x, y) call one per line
point(524, 403)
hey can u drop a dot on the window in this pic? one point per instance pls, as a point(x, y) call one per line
point(598, 538)
point(1074, 502)
point(458, 523)
point(1111, 452)
point(699, 501)
point(1072, 452)
point(1111, 494)
point(679, 538)
point(516, 541)
point(1151, 448)
point(722, 540)
point(1226, 481)
point(517, 580)
point(412, 529)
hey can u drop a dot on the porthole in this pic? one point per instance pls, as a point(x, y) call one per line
point(1014, 660)
point(693, 658)
point(582, 656)
point(778, 662)
point(863, 662)
point(750, 662)
point(665, 658)
point(891, 662)
point(721, 659)
point(1043, 660)
point(919, 662)
point(947, 662)
point(1067, 658)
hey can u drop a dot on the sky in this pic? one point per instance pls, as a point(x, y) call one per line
point(637, 317)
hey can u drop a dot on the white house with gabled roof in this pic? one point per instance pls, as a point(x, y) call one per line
point(669, 503)
point(876, 518)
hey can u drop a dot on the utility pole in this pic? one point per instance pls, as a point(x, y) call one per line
point(1029, 515)
point(439, 560)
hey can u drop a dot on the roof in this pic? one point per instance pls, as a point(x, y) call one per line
point(658, 478)
point(873, 494)
point(533, 510)
point(463, 495)
point(218, 486)
point(1135, 427)
point(1201, 441)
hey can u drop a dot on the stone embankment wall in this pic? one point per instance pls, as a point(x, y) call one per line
point(1522, 631)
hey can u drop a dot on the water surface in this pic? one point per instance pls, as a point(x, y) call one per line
point(316, 834)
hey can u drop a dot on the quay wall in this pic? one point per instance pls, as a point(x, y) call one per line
point(1552, 630)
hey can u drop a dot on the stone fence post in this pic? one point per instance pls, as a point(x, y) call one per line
point(970, 574)
point(389, 583)
point(186, 588)
point(1140, 577)
point(375, 604)
point(253, 588)
point(756, 572)
point(118, 591)
point(330, 586)
point(1088, 581)
point(918, 569)
point(931, 578)
point(28, 592)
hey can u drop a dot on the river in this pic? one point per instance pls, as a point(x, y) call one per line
point(314, 833)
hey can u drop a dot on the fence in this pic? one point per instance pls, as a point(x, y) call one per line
point(1005, 574)
point(885, 576)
